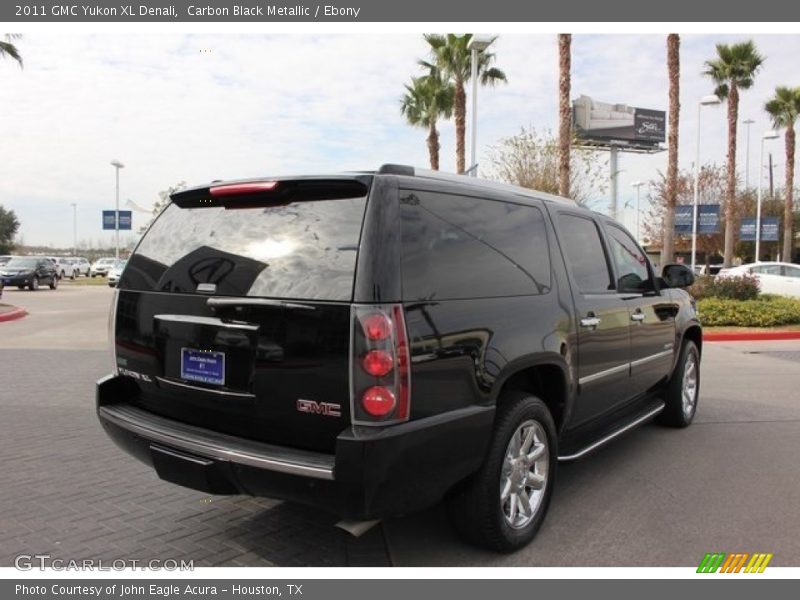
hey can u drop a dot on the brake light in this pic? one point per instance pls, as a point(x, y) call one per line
point(381, 376)
point(378, 401)
point(378, 362)
point(377, 326)
point(241, 189)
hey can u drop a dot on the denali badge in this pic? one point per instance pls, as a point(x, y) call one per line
point(327, 409)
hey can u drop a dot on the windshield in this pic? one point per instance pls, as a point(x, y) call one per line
point(22, 263)
point(304, 250)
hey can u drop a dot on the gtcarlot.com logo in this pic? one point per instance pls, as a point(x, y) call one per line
point(737, 562)
point(28, 562)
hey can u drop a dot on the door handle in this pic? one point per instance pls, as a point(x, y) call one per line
point(590, 321)
point(637, 316)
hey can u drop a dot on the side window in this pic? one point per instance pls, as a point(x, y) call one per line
point(585, 254)
point(792, 272)
point(630, 261)
point(767, 270)
point(465, 247)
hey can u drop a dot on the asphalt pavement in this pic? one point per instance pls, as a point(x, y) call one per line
point(656, 497)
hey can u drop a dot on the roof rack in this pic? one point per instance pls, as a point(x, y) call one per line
point(409, 171)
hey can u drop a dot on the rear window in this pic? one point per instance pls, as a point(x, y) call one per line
point(465, 247)
point(302, 250)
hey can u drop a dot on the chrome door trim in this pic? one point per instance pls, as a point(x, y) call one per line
point(652, 357)
point(602, 374)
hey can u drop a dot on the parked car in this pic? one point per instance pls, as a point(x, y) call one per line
point(30, 272)
point(371, 343)
point(63, 265)
point(101, 266)
point(115, 272)
point(778, 278)
point(82, 266)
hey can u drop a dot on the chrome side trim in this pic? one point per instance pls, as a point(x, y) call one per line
point(195, 388)
point(652, 357)
point(611, 436)
point(601, 374)
point(208, 448)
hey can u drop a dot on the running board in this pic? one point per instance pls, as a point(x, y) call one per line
point(614, 434)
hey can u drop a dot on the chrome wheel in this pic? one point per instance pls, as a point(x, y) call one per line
point(689, 392)
point(523, 478)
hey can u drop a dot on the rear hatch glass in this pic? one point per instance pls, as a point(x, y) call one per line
point(305, 250)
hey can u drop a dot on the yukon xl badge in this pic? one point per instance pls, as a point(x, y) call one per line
point(327, 409)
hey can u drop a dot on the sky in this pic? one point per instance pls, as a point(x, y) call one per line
point(194, 108)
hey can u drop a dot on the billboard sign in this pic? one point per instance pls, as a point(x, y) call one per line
point(125, 219)
point(604, 122)
point(707, 218)
point(769, 230)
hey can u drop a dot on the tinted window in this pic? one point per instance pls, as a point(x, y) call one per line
point(584, 252)
point(792, 271)
point(630, 261)
point(465, 247)
point(304, 250)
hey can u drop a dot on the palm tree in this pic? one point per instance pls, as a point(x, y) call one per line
point(564, 111)
point(784, 107)
point(7, 49)
point(427, 100)
point(732, 70)
point(453, 58)
point(674, 74)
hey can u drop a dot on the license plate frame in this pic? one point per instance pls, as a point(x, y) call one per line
point(203, 366)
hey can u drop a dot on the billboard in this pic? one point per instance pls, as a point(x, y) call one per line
point(769, 230)
point(707, 218)
point(125, 219)
point(603, 122)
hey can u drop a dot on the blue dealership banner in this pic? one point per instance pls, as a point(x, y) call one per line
point(769, 229)
point(707, 218)
point(125, 219)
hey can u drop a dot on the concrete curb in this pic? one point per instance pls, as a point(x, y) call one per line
point(750, 336)
point(15, 313)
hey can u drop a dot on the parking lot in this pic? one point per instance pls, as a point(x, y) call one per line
point(656, 497)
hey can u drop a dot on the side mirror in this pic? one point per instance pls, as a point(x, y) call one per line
point(677, 276)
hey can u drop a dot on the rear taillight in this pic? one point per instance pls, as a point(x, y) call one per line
point(380, 376)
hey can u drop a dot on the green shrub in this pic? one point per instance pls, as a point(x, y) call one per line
point(744, 287)
point(762, 312)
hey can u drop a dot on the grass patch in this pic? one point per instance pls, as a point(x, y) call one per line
point(84, 281)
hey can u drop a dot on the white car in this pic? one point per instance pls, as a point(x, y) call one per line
point(102, 266)
point(81, 265)
point(64, 267)
point(778, 278)
point(116, 272)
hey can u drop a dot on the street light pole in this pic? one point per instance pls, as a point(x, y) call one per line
point(117, 165)
point(704, 101)
point(477, 43)
point(637, 185)
point(768, 135)
point(747, 122)
point(74, 229)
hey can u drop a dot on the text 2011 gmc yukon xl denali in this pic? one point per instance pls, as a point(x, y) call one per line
point(373, 343)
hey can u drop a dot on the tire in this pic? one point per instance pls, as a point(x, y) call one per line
point(683, 389)
point(94, 275)
point(61, 275)
point(34, 285)
point(21, 287)
point(54, 283)
point(478, 511)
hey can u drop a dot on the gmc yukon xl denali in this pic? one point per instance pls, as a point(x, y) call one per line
point(373, 343)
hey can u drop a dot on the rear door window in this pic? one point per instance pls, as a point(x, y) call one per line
point(301, 250)
point(466, 247)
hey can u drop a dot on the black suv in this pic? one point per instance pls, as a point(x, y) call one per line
point(372, 343)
